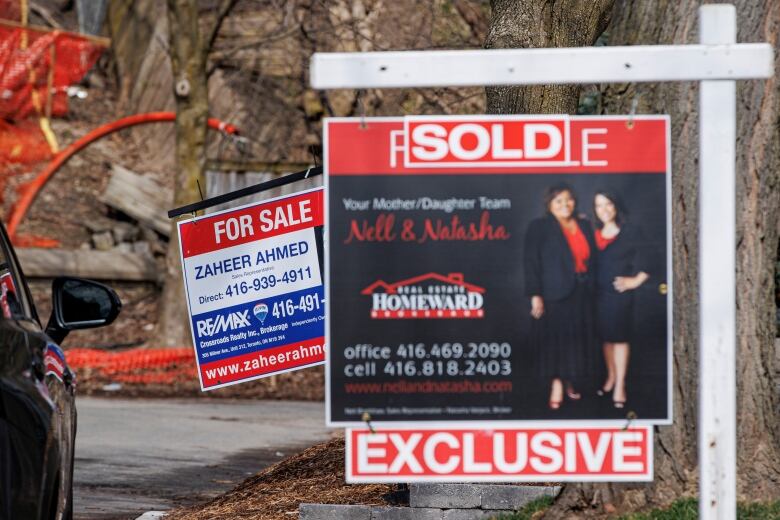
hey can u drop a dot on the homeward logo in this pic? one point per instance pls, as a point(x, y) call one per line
point(222, 323)
point(431, 295)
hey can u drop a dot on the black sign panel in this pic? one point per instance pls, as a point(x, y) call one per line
point(455, 293)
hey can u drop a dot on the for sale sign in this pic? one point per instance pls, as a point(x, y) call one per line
point(498, 268)
point(254, 288)
point(463, 454)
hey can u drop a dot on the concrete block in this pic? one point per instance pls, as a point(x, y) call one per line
point(125, 232)
point(471, 514)
point(99, 223)
point(444, 495)
point(103, 240)
point(405, 513)
point(514, 497)
point(333, 512)
point(142, 248)
point(124, 248)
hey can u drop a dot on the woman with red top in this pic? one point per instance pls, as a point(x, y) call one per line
point(621, 271)
point(559, 261)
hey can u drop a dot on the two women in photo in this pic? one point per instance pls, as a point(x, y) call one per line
point(581, 280)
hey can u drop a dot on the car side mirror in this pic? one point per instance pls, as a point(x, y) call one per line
point(80, 304)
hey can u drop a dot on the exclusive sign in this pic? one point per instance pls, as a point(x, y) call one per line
point(254, 288)
point(464, 454)
point(489, 268)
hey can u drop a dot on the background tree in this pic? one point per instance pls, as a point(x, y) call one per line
point(189, 48)
point(561, 24)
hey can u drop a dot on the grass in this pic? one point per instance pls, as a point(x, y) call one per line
point(684, 509)
point(756, 511)
point(528, 510)
point(688, 509)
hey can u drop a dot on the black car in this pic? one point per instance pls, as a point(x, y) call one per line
point(37, 408)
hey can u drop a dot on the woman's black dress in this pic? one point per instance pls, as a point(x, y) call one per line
point(564, 338)
point(622, 257)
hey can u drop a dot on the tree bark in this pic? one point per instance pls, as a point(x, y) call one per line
point(758, 212)
point(758, 199)
point(188, 60)
point(540, 23)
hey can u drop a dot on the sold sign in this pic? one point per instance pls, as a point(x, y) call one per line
point(447, 142)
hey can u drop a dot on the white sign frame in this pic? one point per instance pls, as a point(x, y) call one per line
point(717, 62)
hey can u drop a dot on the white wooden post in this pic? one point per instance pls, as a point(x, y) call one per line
point(717, 277)
point(716, 62)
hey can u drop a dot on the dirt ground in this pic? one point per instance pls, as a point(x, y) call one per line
point(314, 475)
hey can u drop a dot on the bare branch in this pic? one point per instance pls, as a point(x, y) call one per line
point(225, 6)
point(45, 14)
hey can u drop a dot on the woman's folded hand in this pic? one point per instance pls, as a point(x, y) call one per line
point(629, 283)
point(537, 306)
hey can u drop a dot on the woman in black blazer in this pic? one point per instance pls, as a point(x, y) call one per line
point(559, 261)
point(622, 269)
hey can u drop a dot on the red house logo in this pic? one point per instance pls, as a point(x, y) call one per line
point(427, 296)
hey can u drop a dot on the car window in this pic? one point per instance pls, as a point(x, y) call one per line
point(14, 295)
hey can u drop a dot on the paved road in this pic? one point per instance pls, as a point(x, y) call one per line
point(139, 455)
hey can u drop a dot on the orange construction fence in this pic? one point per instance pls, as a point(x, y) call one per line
point(37, 66)
point(135, 366)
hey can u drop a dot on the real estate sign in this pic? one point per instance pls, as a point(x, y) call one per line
point(509, 272)
point(254, 288)
point(502, 454)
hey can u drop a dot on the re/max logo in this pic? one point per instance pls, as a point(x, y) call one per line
point(222, 323)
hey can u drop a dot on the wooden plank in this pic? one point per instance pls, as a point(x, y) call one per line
point(254, 165)
point(86, 263)
point(140, 197)
point(218, 183)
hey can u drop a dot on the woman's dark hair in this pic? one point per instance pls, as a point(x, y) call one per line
point(620, 213)
point(555, 190)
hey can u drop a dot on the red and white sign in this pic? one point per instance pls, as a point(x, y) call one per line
point(506, 142)
point(469, 454)
point(498, 144)
point(54, 361)
point(252, 223)
point(6, 287)
point(254, 289)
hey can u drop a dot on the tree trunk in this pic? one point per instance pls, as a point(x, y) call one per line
point(758, 211)
point(540, 23)
point(758, 198)
point(188, 59)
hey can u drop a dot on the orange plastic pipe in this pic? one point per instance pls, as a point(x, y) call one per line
point(33, 187)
